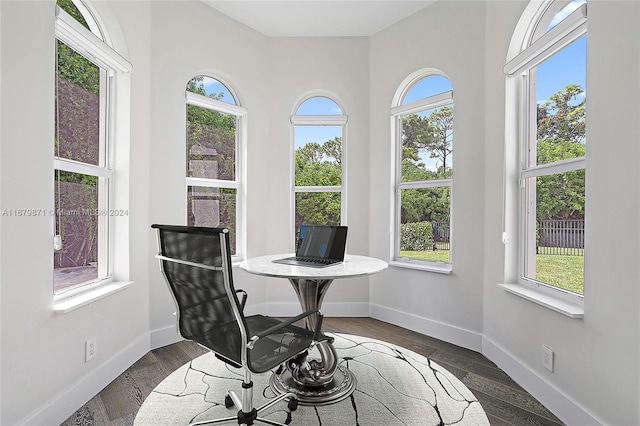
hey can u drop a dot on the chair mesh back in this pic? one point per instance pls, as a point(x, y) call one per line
point(205, 311)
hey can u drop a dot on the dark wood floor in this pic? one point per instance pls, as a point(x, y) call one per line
point(503, 400)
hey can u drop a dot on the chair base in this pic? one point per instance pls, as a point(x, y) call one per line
point(340, 387)
point(251, 417)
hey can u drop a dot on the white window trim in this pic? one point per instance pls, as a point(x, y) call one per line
point(431, 102)
point(318, 189)
point(83, 41)
point(318, 120)
point(516, 70)
point(212, 183)
point(421, 265)
point(81, 168)
point(240, 113)
point(569, 306)
point(214, 104)
point(397, 113)
point(71, 32)
point(569, 30)
point(85, 295)
point(563, 166)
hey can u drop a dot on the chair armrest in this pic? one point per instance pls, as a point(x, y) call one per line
point(288, 322)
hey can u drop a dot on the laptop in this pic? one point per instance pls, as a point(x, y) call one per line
point(318, 246)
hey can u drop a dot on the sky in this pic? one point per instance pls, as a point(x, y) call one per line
point(565, 67)
point(213, 86)
point(317, 106)
point(566, 11)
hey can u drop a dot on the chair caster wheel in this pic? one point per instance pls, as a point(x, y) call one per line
point(293, 404)
point(228, 402)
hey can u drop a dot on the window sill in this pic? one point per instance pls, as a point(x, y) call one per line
point(564, 307)
point(68, 304)
point(444, 269)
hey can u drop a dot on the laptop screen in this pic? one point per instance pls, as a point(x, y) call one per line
point(322, 241)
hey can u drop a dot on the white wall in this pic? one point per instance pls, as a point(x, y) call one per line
point(43, 369)
point(596, 359)
point(597, 373)
point(596, 376)
point(449, 37)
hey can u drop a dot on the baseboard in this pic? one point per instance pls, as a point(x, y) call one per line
point(164, 336)
point(455, 335)
point(558, 403)
point(58, 409)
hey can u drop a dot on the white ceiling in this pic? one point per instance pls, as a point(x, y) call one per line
point(318, 18)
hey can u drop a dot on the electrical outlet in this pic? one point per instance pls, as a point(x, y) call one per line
point(90, 349)
point(547, 358)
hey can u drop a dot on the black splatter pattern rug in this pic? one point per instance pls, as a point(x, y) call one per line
point(395, 386)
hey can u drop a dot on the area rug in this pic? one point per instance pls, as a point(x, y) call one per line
point(395, 386)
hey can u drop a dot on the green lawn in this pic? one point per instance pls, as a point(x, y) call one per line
point(566, 272)
point(434, 255)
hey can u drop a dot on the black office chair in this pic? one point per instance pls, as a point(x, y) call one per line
point(197, 266)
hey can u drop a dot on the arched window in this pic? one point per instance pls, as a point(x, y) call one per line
point(423, 122)
point(318, 166)
point(213, 134)
point(546, 119)
point(87, 74)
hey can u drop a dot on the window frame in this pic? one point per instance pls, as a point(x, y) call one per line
point(333, 120)
point(398, 112)
point(520, 120)
point(112, 67)
point(240, 114)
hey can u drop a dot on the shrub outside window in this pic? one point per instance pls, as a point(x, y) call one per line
point(424, 171)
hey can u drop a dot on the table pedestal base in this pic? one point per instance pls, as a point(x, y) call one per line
point(340, 387)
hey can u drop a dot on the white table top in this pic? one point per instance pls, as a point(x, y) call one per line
point(353, 266)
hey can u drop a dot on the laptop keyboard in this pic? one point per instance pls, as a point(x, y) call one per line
point(318, 261)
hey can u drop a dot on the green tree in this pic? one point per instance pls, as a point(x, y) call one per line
point(562, 117)
point(71, 65)
point(71, 9)
point(432, 133)
point(211, 138)
point(415, 130)
point(318, 165)
point(439, 139)
point(561, 136)
point(425, 205)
